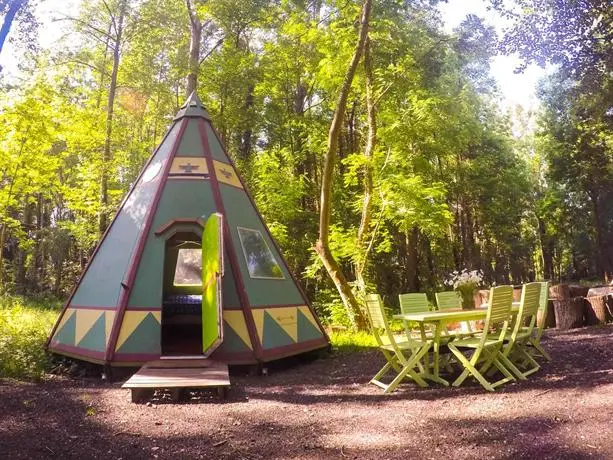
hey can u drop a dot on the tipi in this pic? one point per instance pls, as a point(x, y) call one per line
point(141, 295)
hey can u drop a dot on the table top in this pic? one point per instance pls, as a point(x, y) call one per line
point(434, 316)
point(449, 315)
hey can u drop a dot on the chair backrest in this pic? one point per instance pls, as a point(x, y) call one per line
point(376, 311)
point(415, 302)
point(543, 306)
point(528, 306)
point(448, 300)
point(499, 307)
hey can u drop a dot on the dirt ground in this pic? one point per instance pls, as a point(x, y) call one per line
point(327, 409)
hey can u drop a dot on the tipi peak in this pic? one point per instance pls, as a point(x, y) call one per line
point(193, 107)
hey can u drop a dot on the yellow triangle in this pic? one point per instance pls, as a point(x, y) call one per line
point(258, 318)
point(85, 321)
point(65, 317)
point(131, 320)
point(287, 319)
point(307, 313)
point(236, 320)
point(108, 324)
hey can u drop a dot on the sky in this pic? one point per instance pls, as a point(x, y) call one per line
point(515, 88)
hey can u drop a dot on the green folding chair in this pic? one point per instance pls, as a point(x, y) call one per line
point(415, 302)
point(535, 340)
point(516, 340)
point(486, 347)
point(451, 300)
point(448, 300)
point(403, 356)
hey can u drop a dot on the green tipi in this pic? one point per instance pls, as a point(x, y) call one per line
point(141, 295)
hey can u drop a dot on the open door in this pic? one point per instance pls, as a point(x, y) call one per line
point(212, 271)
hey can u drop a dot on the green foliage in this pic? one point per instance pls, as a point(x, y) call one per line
point(350, 342)
point(25, 325)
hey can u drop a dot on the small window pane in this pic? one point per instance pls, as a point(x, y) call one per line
point(189, 267)
point(260, 261)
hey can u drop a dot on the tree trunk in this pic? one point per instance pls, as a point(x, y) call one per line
point(568, 311)
point(14, 8)
point(371, 141)
point(598, 309)
point(106, 155)
point(194, 48)
point(322, 246)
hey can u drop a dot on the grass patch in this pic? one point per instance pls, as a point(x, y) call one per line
point(350, 342)
point(24, 327)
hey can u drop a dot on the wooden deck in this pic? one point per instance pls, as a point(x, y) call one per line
point(177, 375)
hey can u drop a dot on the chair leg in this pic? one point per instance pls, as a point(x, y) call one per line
point(508, 364)
point(537, 345)
point(469, 369)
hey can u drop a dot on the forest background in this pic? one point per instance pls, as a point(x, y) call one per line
point(439, 180)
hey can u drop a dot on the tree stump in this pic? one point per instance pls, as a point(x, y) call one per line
point(550, 320)
point(598, 309)
point(576, 290)
point(568, 311)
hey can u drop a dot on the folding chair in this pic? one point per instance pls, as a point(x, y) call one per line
point(517, 339)
point(415, 302)
point(535, 340)
point(403, 356)
point(452, 300)
point(486, 347)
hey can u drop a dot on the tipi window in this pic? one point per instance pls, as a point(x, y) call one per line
point(189, 267)
point(261, 263)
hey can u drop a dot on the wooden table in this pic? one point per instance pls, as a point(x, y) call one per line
point(440, 319)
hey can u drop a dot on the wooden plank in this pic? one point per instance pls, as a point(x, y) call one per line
point(204, 373)
point(182, 363)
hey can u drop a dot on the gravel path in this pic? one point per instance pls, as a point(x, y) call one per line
point(326, 409)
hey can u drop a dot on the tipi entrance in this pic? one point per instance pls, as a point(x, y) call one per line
point(182, 293)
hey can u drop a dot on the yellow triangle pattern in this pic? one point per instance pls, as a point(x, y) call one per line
point(85, 321)
point(258, 318)
point(69, 312)
point(287, 319)
point(307, 313)
point(236, 320)
point(131, 320)
point(108, 325)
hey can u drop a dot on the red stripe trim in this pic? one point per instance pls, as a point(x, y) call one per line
point(306, 300)
point(138, 254)
point(229, 245)
point(135, 357)
point(301, 347)
point(83, 307)
point(91, 258)
point(81, 353)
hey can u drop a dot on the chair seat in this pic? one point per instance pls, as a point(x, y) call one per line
point(523, 333)
point(474, 342)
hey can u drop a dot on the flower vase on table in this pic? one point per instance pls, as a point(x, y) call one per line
point(468, 297)
point(466, 283)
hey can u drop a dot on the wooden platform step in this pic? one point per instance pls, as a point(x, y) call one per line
point(177, 375)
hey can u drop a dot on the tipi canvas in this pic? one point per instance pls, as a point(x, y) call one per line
point(141, 295)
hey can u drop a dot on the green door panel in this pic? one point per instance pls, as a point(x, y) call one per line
point(212, 267)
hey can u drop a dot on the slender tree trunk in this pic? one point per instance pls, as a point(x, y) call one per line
point(106, 155)
point(371, 142)
point(322, 246)
point(194, 48)
point(14, 8)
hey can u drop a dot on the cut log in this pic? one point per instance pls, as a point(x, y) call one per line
point(550, 320)
point(576, 290)
point(559, 292)
point(598, 309)
point(599, 290)
point(569, 313)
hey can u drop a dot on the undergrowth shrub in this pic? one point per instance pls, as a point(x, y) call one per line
point(24, 327)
